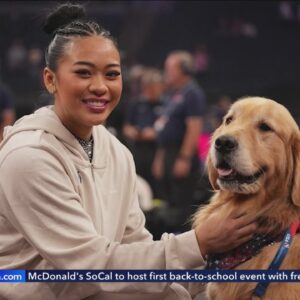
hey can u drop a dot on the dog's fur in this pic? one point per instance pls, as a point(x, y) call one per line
point(276, 152)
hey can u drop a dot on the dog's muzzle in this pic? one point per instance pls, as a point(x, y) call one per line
point(225, 144)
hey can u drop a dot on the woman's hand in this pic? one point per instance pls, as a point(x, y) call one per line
point(219, 234)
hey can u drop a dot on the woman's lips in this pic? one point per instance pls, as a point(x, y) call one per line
point(96, 106)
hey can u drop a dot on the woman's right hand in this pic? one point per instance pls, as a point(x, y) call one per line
point(218, 234)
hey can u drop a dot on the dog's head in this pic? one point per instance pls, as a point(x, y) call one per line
point(257, 145)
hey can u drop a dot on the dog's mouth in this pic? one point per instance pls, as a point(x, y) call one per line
point(228, 174)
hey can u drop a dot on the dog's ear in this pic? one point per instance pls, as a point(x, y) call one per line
point(212, 173)
point(296, 171)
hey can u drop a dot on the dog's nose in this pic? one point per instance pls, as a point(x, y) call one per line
point(225, 144)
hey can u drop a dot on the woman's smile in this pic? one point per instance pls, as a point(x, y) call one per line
point(96, 105)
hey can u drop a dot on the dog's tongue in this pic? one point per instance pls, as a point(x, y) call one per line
point(224, 172)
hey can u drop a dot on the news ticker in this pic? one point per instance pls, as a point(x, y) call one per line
point(14, 276)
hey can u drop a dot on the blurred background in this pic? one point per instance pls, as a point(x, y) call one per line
point(243, 47)
point(240, 48)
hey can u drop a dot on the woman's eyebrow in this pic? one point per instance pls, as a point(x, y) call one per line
point(93, 65)
point(84, 63)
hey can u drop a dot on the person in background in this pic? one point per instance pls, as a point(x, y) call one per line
point(176, 163)
point(7, 112)
point(139, 127)
point(68, 195)
point(16, 56)
point(135, 74)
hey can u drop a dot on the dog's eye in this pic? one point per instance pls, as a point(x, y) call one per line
point(228, 120)
point(264, 127)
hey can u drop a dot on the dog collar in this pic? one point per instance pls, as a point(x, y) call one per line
point(232, 258)
point(261, 287)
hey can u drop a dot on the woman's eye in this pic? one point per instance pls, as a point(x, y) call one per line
point(113, 74)
point(83, 73)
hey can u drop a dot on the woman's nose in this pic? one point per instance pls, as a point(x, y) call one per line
point(98, 85)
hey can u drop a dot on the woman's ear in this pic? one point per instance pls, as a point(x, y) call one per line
point(296, 170)
point(212, 173)
point(49, 80)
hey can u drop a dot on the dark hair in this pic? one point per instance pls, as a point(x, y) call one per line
point(186, 61)
point(64, 23)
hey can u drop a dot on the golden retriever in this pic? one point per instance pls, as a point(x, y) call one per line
point(254, 163)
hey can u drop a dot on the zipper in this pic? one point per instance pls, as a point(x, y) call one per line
point(92, 169)
point(99, 210)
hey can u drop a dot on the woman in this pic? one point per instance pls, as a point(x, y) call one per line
point(67, 186)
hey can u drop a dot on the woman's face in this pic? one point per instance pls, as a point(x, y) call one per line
point(88, 84)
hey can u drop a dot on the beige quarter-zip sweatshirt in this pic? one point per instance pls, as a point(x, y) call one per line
point(59, 211)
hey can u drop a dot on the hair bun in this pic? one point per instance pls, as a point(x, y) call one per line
point(63, 15)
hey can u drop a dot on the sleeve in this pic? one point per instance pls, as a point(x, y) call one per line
point(195, 104)
point(42, 205)
point(135, 227)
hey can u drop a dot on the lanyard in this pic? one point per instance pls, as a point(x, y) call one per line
point(261, 287)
